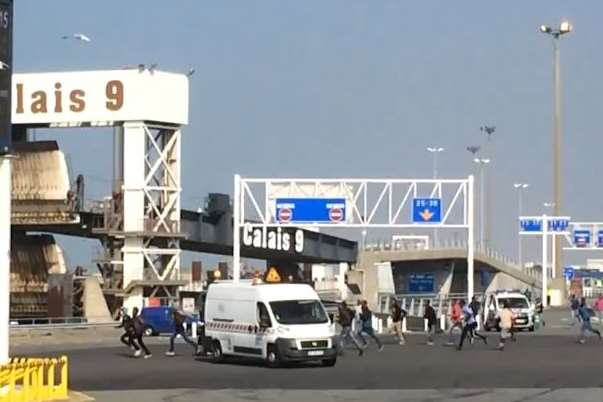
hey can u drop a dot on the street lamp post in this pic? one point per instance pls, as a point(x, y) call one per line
point(489, 200)
point(551, 205)
point(482, 162)
point(520, 187)
point(435, 151)
point(564, 28)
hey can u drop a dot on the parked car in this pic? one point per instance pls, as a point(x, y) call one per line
point(160, 320)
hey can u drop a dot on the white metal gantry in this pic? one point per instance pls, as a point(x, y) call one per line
point(370, 203)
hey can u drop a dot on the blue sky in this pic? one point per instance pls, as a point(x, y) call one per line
point(346, 88)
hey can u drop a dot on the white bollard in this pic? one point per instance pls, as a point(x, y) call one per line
point(194, 330)
point(404, 329)
point(443, 322)
point(425, 324)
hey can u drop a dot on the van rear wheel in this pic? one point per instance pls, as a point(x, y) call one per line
point(216, 350)
point(273, 359)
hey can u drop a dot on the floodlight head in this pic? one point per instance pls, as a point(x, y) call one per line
point(473, 149)
point(545, 29)
point(565, 27)
point(477, 160)
point(485, 160)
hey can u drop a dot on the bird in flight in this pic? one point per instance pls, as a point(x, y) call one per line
point(78, 36)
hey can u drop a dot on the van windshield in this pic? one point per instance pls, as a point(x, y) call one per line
point(291, 312)
point(513, 302)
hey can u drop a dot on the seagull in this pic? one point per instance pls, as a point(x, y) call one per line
point(3, 66)
point(152, 68)
point(78, 36)
point(141, 68)
point(190, 72)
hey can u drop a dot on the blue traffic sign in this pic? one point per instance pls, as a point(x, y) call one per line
point(568, 273)
point(581, 238)
point(600, 238)
point(420, 283)
point(310, 210)
point(427, 210)
point(530, 225)
point(558, 224)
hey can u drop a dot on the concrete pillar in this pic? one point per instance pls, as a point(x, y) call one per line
point(343, 269)
point(134, 142)
point(5, 215)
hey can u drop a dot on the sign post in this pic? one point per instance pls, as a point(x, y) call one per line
point(6, 60)
point(545, 226)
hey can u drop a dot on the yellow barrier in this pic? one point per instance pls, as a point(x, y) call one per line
point(23, 380)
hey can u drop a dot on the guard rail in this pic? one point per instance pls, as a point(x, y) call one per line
point(34, 379)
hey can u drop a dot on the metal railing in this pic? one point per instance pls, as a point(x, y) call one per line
point(34, 379)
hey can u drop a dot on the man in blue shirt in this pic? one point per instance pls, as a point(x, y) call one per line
point(470, 325)
point(585, 312)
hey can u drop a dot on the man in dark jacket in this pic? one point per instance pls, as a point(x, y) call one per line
point(127, 324)
point(138, 328)
point(346, 316)
point(366, 318)
point(398, 315)
point(179, 320)
point(430, 316)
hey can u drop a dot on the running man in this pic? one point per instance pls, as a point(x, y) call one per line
point(138, 328)
point(430, 316)
point(366, 317)
point(574, 306)
point(470, 325)
point(585, 313)
point(456, 321)
point(127, 337)
point(179, 320)
point(398, 315)
point(506, 325)
point(346, 316)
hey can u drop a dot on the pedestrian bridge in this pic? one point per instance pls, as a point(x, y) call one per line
point(388, 269)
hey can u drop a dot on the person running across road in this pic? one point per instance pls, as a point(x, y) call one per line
point(475, 307)
point(574, 304)
point(456, 321)
point(138, 328)
point(398, 314)
point(506, 325)
point(598, 307)
point(346, 316)
point(366, 317)
point(127, 338)
point(470, 325)
point(585, 314)
point(179, 321)
point(430, 316)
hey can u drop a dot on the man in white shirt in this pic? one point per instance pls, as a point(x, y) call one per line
point(506, 325)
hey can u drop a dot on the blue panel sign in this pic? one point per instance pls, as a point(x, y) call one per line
point(568, 273)
point(530, 225)
point(427, 210)
point(600, 238)
point(420, 283)
point(581, 238)
point(558, 225)
point(310, 210)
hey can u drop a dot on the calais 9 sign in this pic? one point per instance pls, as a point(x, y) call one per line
point(99, 97)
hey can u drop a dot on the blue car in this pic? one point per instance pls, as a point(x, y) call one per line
point(160, 320)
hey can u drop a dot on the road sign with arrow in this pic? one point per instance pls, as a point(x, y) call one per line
point(427, 210)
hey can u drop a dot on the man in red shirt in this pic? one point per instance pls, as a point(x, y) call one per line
point(456, 321)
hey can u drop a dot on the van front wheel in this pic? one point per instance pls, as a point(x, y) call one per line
point(329, 362)
point(273, 359)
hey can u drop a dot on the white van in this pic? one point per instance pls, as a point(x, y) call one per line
point(519, 305)
point(275, 322)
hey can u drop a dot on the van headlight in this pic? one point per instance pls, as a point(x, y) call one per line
point(282, 330)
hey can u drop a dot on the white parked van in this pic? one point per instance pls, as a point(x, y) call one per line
point(274, 322)
point(519, 305)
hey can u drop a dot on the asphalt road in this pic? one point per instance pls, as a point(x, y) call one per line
point(547, 362)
